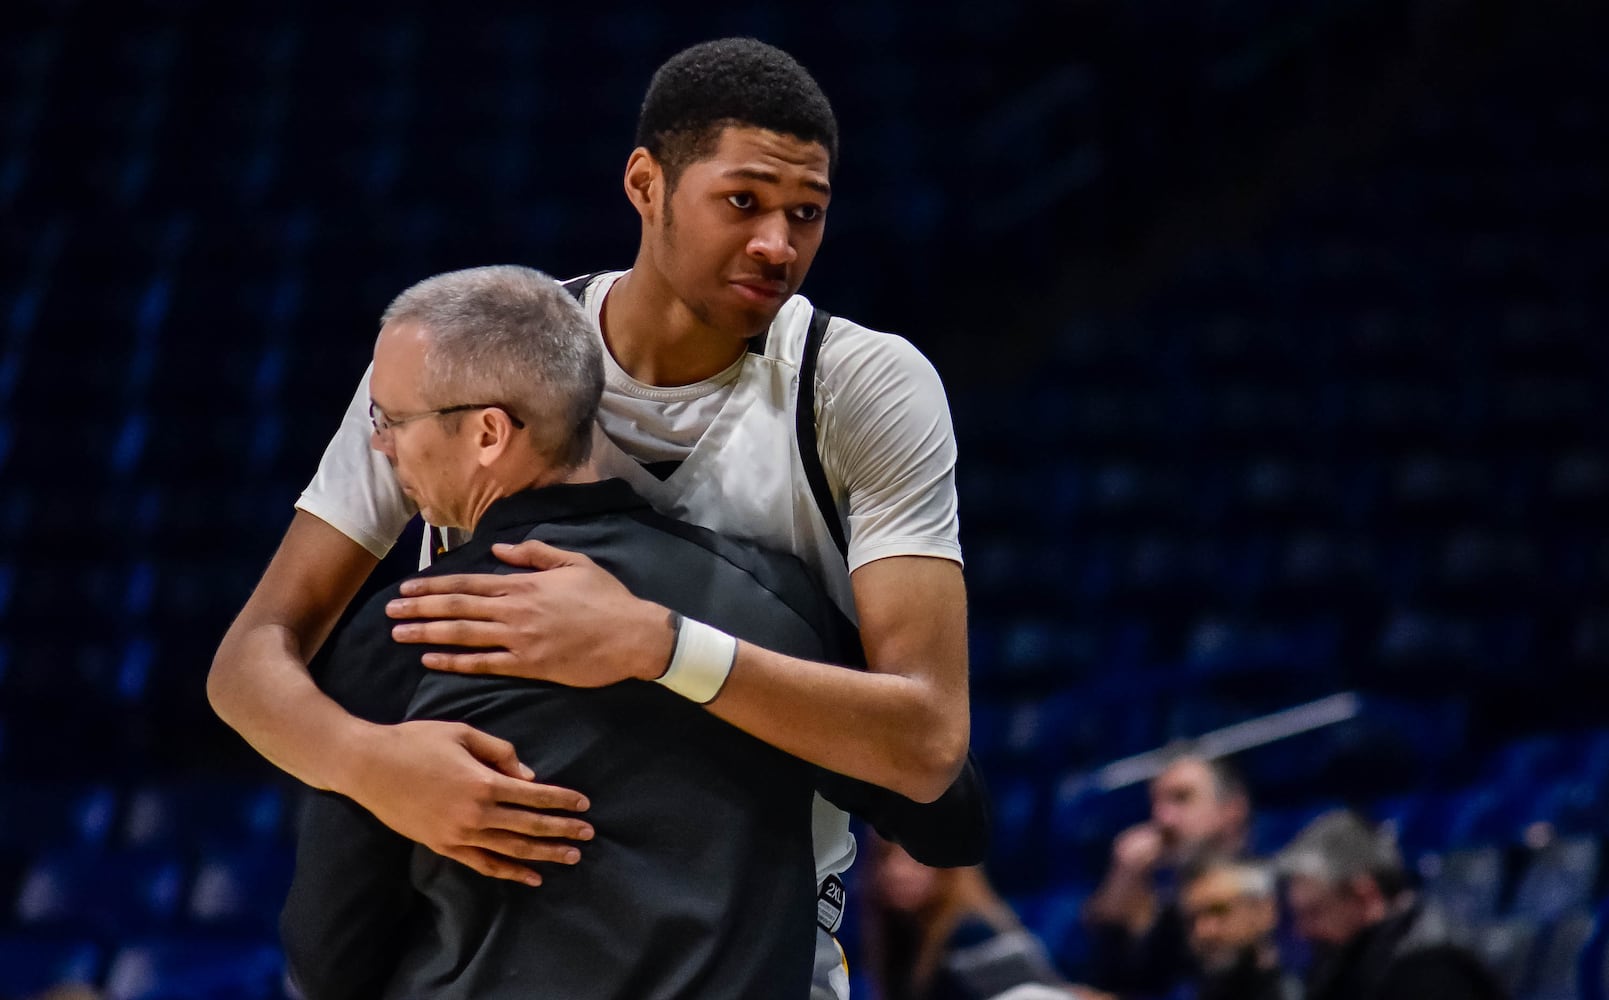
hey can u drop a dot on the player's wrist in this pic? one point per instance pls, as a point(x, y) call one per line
point(353, 759)
point(701, 659)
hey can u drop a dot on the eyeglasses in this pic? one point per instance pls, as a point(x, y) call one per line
point(383, 422)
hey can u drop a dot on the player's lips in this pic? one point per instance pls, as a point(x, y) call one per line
point(761, 290)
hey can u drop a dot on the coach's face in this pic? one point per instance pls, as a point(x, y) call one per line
point(433, 462)
point(738, 232)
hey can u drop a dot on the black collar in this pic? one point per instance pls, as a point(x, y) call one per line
point(558, 502)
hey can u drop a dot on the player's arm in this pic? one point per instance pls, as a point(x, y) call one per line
point(259, 683)
point(459, 792)
point(902, 724)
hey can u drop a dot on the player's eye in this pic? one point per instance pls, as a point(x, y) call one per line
point(743, 201)
point(807, 213)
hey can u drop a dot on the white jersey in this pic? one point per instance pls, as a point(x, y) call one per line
point(883, 432)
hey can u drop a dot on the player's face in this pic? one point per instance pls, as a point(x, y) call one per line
point(425, 451)
point(740, 230)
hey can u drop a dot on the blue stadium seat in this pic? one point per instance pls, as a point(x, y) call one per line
point(1508, 946)
point(195, 969)
point(205, 813)
point(31, 963)
point(1557, 974)
point(1595, 957)
point(107, 894)
point(1467, 882)
point(1558, 879)
point(1083, 822)
point(39, 815)
point(241, 890)
point(1018, 849)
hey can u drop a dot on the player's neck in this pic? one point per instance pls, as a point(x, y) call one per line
point(656, 339)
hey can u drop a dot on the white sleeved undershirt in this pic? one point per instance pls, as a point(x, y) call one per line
point(354, 490)
point(885, 436)
point(886, 440)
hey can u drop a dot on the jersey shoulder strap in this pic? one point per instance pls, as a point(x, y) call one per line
point(804, 411)
point(578, 286)
point(805, 429)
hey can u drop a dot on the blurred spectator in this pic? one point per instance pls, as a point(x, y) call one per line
point(1230, 914)
point(1373, 937)
point(944, 934)
point(1199, 807)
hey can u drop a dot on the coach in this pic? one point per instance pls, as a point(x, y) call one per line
point(699, 878)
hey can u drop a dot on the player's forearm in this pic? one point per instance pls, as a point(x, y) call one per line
point(259, 685)
point(893, 730)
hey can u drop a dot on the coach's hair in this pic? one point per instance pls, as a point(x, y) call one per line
point(511, 336)
point(1339, 846)
point(701, 90)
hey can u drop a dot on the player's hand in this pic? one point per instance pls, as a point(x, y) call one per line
point(466, 796)
point(571, 622)
point(1137, 850)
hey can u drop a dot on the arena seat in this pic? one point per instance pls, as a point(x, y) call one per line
point(1557, 973)
point(205, 813)
point(241, 890)
point(110, 894)
point(40, 815)
point(34, 963)
point(1467, 882)
point(1508, 946)
point(1558, 879)
point(197, 969)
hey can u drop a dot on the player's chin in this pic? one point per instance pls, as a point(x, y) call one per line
point(755, 312)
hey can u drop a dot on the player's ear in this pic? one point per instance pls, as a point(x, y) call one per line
point(644, 183)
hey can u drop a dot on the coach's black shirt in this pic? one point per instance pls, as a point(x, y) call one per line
point(700, 881)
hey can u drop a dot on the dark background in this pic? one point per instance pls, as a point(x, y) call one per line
point(1274, 334)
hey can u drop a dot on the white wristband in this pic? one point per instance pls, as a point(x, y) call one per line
point(701, 662)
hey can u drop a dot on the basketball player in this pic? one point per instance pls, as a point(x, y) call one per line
point(706, 359)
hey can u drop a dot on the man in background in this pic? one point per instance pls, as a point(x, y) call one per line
point(1230, 909)
point(1199, 806)
point(1374, 938)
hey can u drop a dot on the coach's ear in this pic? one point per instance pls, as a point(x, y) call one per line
point(644, 184)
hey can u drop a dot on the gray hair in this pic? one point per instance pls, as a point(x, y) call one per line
point(1339, 846)
point(515, 337)
point(1253, 879)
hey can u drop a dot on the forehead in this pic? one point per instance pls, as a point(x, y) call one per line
point(399, 356)
point(758, 154)
point(1216, 886)
point(1305, 891)
point(1183, 777)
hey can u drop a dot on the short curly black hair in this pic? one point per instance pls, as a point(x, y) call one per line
point(703, 89)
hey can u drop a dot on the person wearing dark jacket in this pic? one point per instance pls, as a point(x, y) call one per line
point(682, 858)
point(1373, 937)
point(1230, 909)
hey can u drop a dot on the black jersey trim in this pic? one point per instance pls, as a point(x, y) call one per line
point(805, 430)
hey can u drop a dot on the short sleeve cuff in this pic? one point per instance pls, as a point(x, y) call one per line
point(331, 515)
point(937, 548)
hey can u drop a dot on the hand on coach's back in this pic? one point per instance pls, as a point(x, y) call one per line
point(570, 622)
point(466, 796)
